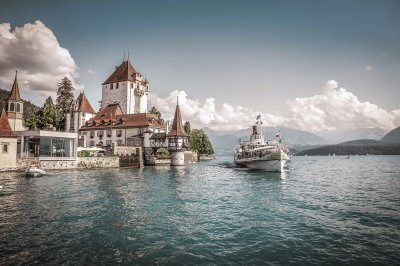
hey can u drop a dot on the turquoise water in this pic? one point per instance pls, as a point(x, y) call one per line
point(322, 210)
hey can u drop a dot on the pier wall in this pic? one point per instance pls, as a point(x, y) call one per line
point(80, 162)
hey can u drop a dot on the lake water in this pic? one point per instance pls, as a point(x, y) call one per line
point(322, 210)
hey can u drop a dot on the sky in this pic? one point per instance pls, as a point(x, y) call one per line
point(310, 65)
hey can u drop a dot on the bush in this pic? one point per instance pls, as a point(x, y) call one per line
point(83, 154)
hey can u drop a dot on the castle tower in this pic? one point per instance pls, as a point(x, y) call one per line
point(178, 139)
point(15, 107)
point(80, 112)
point(126, 87)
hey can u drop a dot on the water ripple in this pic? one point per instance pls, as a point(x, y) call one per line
point(321, 210)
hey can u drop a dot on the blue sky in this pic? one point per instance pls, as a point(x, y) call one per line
point(257, 54)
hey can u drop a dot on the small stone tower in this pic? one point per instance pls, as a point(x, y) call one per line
point(15, 107)
point(127, 87)
point(178, 139)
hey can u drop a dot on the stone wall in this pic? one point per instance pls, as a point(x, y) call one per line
point(125, 150)
point(80, 162)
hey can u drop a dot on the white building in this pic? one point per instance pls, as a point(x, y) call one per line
point(111, 127)
point(126, 87)
point(81, 111)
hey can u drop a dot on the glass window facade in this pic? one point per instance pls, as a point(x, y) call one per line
point(49, 147)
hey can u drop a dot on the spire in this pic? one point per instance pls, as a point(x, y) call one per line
point(14, 96)
point(5, 128)
point(177, 127)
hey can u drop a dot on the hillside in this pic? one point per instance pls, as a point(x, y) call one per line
point(29, 108)
point(392, 137)
point(224, 142)
point(338, 136)
point(359, 147)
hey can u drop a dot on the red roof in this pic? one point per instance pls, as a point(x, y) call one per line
point(84, 104)
point(14, 96)
point(5, 128)
point(112, 117)
point(177, 128)
point(125, 72)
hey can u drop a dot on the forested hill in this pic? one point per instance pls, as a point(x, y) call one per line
point(29, 108)
point(392, 137)
point(360, 147)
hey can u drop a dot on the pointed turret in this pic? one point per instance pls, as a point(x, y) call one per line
point(15, 96)
point(15, 107)
point(177, 126)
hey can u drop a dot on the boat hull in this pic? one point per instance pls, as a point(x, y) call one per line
point(270, 165)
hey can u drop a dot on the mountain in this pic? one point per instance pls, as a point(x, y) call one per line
point(359, 147)
point(392, 137)
point(29, 108)
point(338, 136)
point(225, 141)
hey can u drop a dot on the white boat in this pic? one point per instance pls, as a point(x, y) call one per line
point(258, 153)
point(35, 172)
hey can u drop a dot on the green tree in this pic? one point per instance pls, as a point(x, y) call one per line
point(200, 142)
point(65, 97)
point(187, 127)
point(47, 115)
point(154, 110)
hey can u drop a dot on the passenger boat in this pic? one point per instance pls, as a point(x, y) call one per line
point(258, 153)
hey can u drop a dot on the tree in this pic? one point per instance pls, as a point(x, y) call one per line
point(155, 111)
point(187, 127)
point(200, 142)
point(65, 97)
point(47, 115)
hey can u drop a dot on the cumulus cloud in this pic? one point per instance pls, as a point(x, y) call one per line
point(41, 62)
point(207, 114)
point(338, 108)
point(335, 108)
point(90, 71)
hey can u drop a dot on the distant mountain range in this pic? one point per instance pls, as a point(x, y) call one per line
point(371, 140)
point(388, 145)
point(338, 136)
point(226, 141)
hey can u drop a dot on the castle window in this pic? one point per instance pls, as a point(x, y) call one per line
point(131, 85)
point(117, 85)
point(91, 143)
point(4, 148)
point(11, 109)
point(119, 132)
point(18, 107)
point(111, 86)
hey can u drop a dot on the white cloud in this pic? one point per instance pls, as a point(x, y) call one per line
point(335, 108)
point(369, 68)
point(207, 114)
point(41, 62)
point(90, 71)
